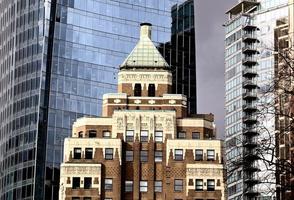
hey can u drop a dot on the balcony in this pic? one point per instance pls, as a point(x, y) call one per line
point(250, 119)
point(251, 193)
point(250, 38)
point(250, 95)
point(250, 143)
point(250, 132)
point(249, 60)
point(250, 84)
point(250, 49)
point(249, 72)
point(251, 169)
point(249, 107)
point(250, 156)
point(249, 27)
point(251, 181)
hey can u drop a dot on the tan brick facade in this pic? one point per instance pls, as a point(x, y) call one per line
point(144, 147)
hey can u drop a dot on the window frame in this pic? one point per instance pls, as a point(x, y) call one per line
point(109, 156)
point(88, 178)
point(209, 157)
point(178, 187)
point(91, 133)
point(143, 158)
point(143, 186)
point(198, 187)
point(129, 186)
point(209, 186)
point(73, 182)
point(181, 135)
point(196, 155)
point(129, 156)
point(75, 153)
point(87, 153)
point(144, 137)
point(158, 156)
point(198, 135)
point(177, 155)
point(108, 186)
point(130, 138)
point(158, 138)
point(158, 186)
point(106, 136)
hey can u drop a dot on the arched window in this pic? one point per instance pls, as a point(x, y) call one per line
point(138, 90)
point(151, 90)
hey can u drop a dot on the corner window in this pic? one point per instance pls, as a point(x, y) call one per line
point(158, 136)
point(196, 135)
point(143, 186)
point(210, 155)
point(143, 156)
point(181, 135)
point(144, 136)
point(76, 181)
point(158, 186)
point(108, 184)
point(179, 154)
point(178, 185)
point(129, 186)
point(108, 154)
point(106, 134)
point(158, 156)
point(87, 182)
point(129, 156)
point(88, 153)
point(130, 136)
point(198, 154)
point(199, 185)
point(210, 185)
point(92, 134)
point(151, 90)
point(138, 90)
point(77, 153)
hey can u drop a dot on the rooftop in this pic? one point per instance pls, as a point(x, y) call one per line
point(242, 6)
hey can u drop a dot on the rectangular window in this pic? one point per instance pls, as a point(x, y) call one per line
point(196, 135)
point(143, 156)
point(87, 182)
point(210, 155)
point(158, 186)
point(199, 185)
point(158, 136)
point(179, 154)
point(76, 181)
point(92, 134)
point(143, 186)
point(75, 198)
point(77, 153)
point(130, 136)
point(88, 153)
point(144, 136)
point(106, 134)
point(178, 186)
point(108, 184)
point(198, 154)
point(210, 185)
point(80, 134)
point(129, 186)
point(87, 198)
point(181, 135)
point(158, 156)
point(108, 154)
point(129, 156)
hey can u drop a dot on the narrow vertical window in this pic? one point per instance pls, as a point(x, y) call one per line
point(151, 90)
point(138, 90)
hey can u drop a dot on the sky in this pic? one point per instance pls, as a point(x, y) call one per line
point(210, 36)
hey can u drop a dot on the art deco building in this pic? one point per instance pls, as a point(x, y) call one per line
point(284, 105)
point(249, 71)
point(144, 146)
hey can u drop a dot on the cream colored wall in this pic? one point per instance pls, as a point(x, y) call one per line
point(190, 122)
point(193, 144)
point(71, 143)
point(205, 172)
point(145, 78)
point(70, 170)
point(145, 120)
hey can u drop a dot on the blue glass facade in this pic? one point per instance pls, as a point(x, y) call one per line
point(57, 58)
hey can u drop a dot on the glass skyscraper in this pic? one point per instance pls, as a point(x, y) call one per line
point(249, 67)
point(57, 58)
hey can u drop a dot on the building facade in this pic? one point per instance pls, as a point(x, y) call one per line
point(180, 53)
point(57, 58)
point(145, 145)
point(249, 67)
point(284, 104)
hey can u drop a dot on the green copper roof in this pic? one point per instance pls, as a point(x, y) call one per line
point(145, 54)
